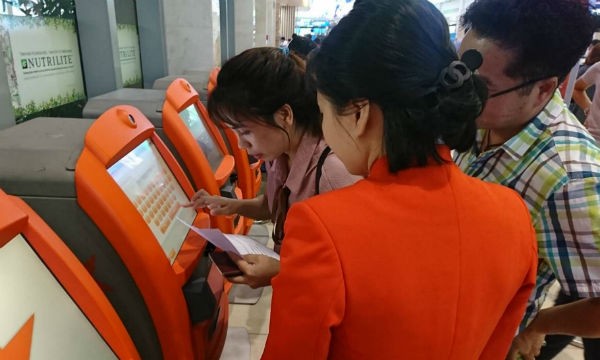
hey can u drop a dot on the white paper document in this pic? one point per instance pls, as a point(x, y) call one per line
point(237, 244)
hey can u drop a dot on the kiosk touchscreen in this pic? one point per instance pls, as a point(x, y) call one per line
point(50, 306)
point(196, 125)
point(150, 185)
point(202, 149)
point(131, 185)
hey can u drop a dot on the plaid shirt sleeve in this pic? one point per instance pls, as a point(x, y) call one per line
point(569, 229)
point(568, 232)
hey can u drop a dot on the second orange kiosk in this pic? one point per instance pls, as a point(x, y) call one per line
point(131, 185)
point(112, 191)
point(201, 147)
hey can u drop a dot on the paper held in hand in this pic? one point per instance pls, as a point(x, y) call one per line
point(237, 244)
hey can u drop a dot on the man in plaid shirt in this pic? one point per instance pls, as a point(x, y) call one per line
point(530, 142)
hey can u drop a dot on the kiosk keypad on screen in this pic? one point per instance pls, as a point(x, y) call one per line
point(151, 187)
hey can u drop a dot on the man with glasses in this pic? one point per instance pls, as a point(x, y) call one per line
point(529, 141)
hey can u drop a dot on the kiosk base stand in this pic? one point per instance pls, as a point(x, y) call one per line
point(244, 294)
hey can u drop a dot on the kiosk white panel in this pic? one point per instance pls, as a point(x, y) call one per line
point(30, 293)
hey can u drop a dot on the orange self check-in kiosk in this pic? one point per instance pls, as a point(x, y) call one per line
point(167, 294)
point(201, 147)
point(50, 306)
point(37, 164)
point(131, 185)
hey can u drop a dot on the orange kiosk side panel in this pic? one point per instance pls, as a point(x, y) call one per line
point(249, 176)
point(18, 218)
point(212, 79)
point(117, 132)
point(179, 96)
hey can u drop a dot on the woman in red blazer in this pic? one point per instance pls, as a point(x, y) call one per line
point(418, 260)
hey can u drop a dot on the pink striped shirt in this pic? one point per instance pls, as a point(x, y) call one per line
point(300, 178)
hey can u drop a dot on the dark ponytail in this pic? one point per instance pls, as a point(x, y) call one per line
point(458, 110)
point(392, 53)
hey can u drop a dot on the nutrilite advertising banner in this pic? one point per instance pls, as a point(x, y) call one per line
point(42, 62)
point(129, 54)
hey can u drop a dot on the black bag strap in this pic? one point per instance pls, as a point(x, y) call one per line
point(320, 167)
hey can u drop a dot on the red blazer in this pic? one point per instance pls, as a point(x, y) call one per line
point(428, 263)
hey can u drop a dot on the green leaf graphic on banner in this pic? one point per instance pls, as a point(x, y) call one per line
point(51, 103)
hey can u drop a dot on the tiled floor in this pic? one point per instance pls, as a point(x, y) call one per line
point(255, 319)
point(570, 353)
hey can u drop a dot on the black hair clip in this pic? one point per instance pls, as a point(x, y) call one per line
point(454, 75)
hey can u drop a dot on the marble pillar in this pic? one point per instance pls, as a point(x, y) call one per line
point(265, 23)
point(260, 13)
point(244, 25)
point(190, 35)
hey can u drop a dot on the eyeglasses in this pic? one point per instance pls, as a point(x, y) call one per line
point(280, 209)
point(517, 87)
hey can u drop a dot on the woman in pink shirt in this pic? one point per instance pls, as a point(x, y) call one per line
point(263, 95)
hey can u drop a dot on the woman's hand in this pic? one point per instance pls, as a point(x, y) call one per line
point(527, 345)
point(217, 205)
point(258, 270)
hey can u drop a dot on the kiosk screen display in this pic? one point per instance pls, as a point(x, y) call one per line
point(194, 122)
point(39, 318)
point(152, 188)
